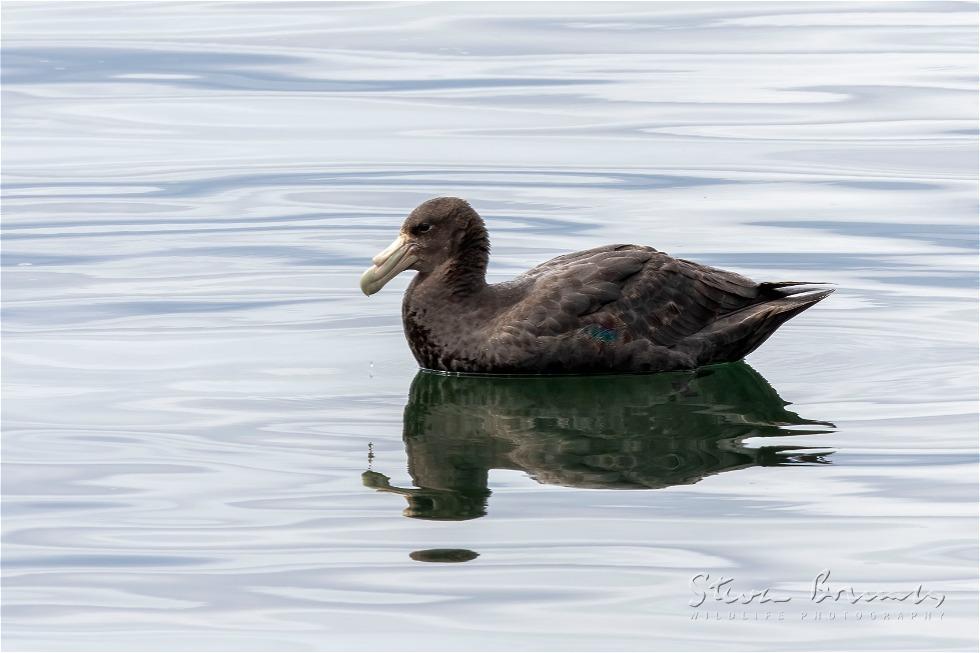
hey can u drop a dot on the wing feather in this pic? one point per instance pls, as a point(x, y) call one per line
point(626, 293)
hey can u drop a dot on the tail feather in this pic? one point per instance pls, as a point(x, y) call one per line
point(784, 284)
point(777, 289)
point(736, 335)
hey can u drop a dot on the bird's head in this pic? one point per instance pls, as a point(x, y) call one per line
point(438, 231)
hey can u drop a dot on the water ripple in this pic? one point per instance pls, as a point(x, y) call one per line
point(195, 391)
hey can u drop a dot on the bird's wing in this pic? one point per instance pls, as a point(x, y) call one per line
point(565, 261)
point(626, 292)
point(676, 298)
point(563, 290)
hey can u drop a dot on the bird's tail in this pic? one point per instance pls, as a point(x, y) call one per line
point(734, 336)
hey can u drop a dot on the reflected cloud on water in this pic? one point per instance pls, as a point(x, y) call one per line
point(639, 432)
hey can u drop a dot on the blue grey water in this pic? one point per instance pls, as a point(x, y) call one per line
point(192, 380)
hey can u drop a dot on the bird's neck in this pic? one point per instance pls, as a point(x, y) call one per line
point(466, 273)
point(441, 305)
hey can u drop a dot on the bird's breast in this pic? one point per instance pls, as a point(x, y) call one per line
point(442, 336)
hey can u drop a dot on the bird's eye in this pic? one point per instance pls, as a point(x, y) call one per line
point(422, 228)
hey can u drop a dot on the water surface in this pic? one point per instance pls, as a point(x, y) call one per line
point(213, 441)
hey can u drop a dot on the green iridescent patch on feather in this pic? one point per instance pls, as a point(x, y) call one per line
point(600, 333)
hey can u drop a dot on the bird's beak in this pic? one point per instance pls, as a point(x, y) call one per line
point(387, 265)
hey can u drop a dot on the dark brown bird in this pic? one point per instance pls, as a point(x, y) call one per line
point(612, 309)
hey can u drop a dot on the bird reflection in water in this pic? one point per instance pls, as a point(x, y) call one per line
point(632, 432)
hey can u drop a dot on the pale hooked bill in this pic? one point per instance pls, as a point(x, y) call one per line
point(389, 263)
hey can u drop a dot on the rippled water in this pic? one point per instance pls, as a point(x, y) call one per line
point(212, 440)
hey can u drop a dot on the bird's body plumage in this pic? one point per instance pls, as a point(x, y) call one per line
point(617, 308)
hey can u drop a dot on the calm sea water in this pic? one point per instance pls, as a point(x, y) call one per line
point(212, 440)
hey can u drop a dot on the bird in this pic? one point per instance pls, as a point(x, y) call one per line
point(614, 309)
